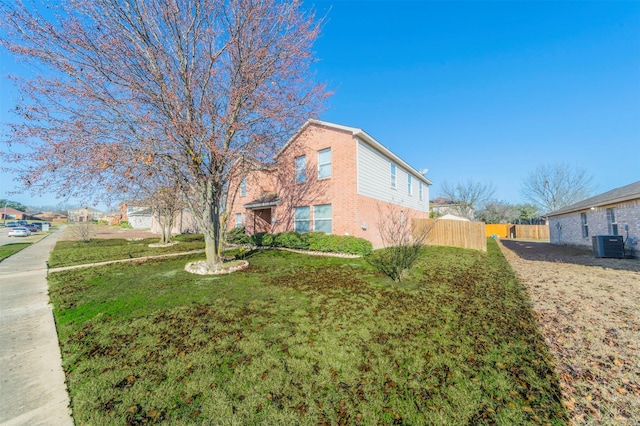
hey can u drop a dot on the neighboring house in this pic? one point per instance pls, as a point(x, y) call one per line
point(111, 218)
point(140, 216)
point(441, 206)
point(84, 214)
point(58, 217)
point(183, 223)
point(616, 212)
point(330, 178)
point(11, 213)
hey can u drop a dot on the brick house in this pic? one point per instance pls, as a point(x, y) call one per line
point(84, 214)
point(615, 212)
point(331, 178)
point(9, 213)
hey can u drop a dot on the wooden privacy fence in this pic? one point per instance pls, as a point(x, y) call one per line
point(507, 230)
point(454, 233)
point(535, 232)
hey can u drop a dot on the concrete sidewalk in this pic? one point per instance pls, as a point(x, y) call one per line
point(32, 386)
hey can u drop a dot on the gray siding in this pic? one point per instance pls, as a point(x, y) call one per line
point(374, 180)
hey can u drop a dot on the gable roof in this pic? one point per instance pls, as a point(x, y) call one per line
point(617, 195)
point(359, 133)
point(10, 211)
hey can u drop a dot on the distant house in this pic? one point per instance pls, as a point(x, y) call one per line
point(84, 214)
point(140, 216)
point(137, 214)
point(13, 214)
point(59, 216)
point(330, 178)
point(615, 212)
point(441, 206)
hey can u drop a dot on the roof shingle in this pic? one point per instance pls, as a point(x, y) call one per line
point(617, 195)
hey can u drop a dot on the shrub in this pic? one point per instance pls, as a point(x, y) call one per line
point(257, 238)
point(394, 261)
point(238, 236)
point(294, 240)
point(313, 239)
point(268, 240)
point(340, 244)
point(125, 224)
point(316, 241)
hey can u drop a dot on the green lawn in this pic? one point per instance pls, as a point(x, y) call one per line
point(68, 253)
point(309, 340)
point(11, 249)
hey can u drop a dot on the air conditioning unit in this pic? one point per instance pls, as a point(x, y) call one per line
point(608, 246)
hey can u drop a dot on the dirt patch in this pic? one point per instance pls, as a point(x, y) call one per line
point(589, 311)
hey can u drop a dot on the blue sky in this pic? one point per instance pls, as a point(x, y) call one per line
point(487, 91)
point(482, 91)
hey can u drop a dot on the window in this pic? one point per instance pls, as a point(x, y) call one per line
point(238, 220)
point(301, 219)
point(585, 227)
point(409, 185)
point(301, 169)
point(393, 175)
point(420, 190)
point(243, 187)
point(324, 163)
point(322, 218)
point(612, 226)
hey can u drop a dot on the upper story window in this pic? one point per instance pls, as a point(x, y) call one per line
point(393, 175)
point(420, 190)
point(612, 226)
point(243, 187)
point(409, 185)
point(301, 169)
point(585, 227)
point(324, 163)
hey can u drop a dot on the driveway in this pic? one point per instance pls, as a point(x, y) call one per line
point(589, 313)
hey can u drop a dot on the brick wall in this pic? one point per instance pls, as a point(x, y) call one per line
point(352, 214)
point(566, 229)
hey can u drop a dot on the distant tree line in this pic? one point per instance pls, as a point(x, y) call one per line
point(547, 188)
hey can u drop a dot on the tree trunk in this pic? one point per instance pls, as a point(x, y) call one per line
point(211, 230)
point(166, 225)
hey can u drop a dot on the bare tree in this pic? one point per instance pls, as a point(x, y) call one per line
point(467, 196)
point(497, 212)
point(83, 230)
point(166, 203)
point(402, 241)
point(554, 186)
point(137, 88)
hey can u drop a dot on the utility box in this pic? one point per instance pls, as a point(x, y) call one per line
point(608, 246)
